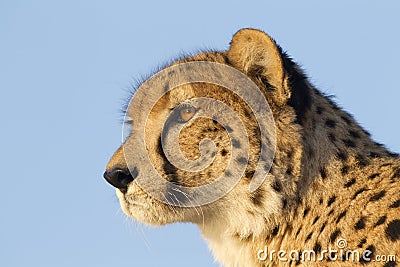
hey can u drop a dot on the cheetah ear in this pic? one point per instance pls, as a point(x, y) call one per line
point(257, 55)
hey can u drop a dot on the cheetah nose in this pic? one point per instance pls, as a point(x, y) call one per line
point(120, 178)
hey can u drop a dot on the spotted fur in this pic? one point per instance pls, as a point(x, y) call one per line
point(329, 179)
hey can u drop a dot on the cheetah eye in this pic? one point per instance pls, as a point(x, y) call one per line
point(185, 113)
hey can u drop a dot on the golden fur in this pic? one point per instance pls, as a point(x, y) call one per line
point(329, 180)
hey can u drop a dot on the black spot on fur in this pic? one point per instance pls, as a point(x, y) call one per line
point(373, 154)
point(395, 204)
point(360, 224)
point(247, 113)
point(373, 176)
point(249, 174)
point(269, 168)
point(359, 191)
point(242, 160)
point(306, 211)
point(393, 230)
point(322, 228)
point(381, 220)
point(354, 134)
point(315, 220)
point(346, 120)
point(323, 173)
point(235, 143)
point(284, 203)
point(331, 212)
point(309, 236)
point(298, 232)
point(342, 156)
point(207, 130)
point(317, 247)
point(350, 183)
point(362, 161)
point(378, 196)
point(349, 143)
point(331, 200)
point(275, 231)
point(289, 170)
point(277, 186)
point(362, 242)
point(334, 235)
point(332, 137)
point(320, 110)
point(390, 264)
point(330, 123)
point(224, 152)
point(257, 197)
point(341, 215)
point(344, 170)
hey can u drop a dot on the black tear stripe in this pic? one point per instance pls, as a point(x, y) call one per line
point(173, 195)
point(168, 168)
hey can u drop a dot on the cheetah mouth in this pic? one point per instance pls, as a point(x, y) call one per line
point(132, 203)
point(131, 200)
point(126, 200)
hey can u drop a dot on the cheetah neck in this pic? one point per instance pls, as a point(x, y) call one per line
point(332, 141)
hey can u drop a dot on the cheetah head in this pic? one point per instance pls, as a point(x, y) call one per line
point(216, 139)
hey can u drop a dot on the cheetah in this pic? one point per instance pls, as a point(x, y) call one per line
point(328, 181)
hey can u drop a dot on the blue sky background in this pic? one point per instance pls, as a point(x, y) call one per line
point(64, 68)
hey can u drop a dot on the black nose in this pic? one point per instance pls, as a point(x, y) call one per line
point(120, 178)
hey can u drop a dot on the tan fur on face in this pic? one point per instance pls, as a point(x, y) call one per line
point(329, 180)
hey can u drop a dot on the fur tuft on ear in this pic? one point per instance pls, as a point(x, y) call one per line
point(256, 54)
